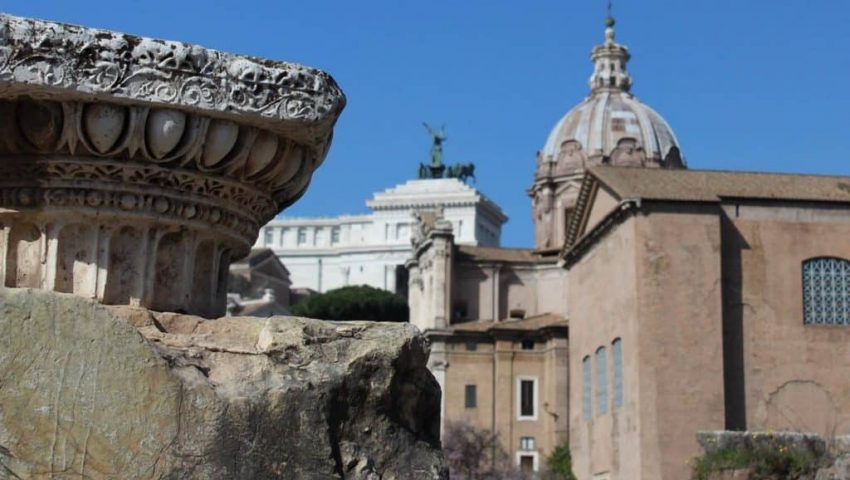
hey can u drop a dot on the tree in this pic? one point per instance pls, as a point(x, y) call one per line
point(354, 303)
point(560, 464)
point(476, 454)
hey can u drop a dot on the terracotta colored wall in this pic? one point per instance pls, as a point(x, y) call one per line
point(681, 344)
point(654, 282)
point(796, 375)
point(500, 368)
point(535, 289)
point(603, 306)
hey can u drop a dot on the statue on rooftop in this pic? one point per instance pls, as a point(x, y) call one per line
point(437, 146)
point(436, 168)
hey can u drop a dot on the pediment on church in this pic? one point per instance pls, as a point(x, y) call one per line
point(595, 202)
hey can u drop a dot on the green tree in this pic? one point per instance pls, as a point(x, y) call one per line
point(354, 303)
point(560, 463)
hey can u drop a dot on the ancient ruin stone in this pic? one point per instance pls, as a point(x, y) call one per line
point(133, 170)
point(88, 391)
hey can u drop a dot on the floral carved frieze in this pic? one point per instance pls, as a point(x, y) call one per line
point(47, 56)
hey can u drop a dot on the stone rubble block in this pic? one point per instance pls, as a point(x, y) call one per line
point(95, 392)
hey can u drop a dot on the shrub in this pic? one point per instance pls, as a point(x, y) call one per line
point(560, 464)
point(766, 461)
point(354, 303)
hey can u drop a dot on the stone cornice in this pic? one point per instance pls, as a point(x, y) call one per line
point(46, 57)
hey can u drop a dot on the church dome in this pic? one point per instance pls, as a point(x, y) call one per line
point(610, 126)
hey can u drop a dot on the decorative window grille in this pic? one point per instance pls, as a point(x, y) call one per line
point(586, 394)
point(601, 382)
point(617, 354)
point(826, 291)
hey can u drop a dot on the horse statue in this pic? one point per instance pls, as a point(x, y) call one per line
point(462, 172)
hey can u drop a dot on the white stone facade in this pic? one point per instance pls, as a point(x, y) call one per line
point(371, 249)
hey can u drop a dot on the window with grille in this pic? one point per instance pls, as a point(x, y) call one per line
point(470, 396)
point(601, 382)
point(586, 394)
point(617, 356)
point(826, 291)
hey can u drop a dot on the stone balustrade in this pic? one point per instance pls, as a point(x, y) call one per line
point(135, 170)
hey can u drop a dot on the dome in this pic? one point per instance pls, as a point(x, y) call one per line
point(611, 125)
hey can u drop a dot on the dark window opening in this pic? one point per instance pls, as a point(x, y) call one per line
point(470, 399)
point(459, 310)
point(528, 344)
point(526, 408)
point(471, 346)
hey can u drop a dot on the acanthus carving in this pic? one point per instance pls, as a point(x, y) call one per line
point(87, 60)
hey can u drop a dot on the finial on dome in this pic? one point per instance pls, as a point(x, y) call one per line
point(610, 60)
point(609, 24)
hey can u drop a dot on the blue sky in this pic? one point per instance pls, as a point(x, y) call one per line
point(745, 84)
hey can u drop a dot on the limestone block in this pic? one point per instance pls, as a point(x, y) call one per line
point(88, 391)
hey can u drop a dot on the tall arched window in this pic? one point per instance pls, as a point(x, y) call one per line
point(617, 356)
point(586, 395)
point(826, 291)
point(601, 382)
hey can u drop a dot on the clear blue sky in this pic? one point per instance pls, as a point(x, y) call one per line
point(745, 84)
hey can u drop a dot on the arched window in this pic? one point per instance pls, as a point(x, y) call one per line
point(826, 291)
point(617, 354)
point(586, 395)
point(601, 382)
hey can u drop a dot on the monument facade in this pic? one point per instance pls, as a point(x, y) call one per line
point(371, 249)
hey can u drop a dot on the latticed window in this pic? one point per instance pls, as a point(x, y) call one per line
point(586, 394)
point(617, 355)
point(601, 382)
point(826, 291)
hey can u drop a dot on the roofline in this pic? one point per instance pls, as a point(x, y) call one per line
point(573, 252)
point(496, 333)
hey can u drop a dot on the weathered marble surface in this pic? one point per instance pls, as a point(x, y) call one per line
point(88, 391)
point(38, 56)
point(134, 170)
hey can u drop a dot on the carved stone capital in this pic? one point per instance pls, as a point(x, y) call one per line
point(134, 170)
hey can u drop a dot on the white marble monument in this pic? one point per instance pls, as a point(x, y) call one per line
point(371, 249)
